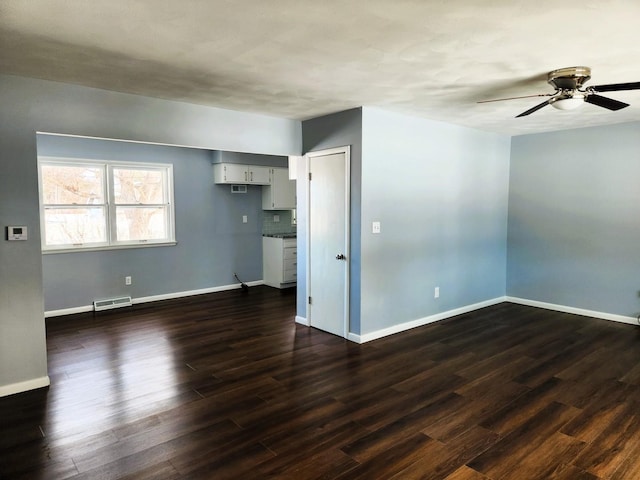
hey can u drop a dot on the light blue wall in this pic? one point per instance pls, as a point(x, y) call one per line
point(213, 243)
point(330, 131)
point(574, 210)
point(28, 106)
point(440, 192)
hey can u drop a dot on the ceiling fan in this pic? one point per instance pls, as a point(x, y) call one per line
point(570, 93)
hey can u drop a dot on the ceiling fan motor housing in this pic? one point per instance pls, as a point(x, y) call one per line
point(571, 78)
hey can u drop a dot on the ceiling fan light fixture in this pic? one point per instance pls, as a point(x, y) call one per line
point(567, 102)
point(570, 92)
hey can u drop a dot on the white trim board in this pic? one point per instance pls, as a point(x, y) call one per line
point(302, 321)
point(25, 386)
point(368, 337)
point(576, 311)
point(155, 298)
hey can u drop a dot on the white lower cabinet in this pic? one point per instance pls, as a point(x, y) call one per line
point(279, 262)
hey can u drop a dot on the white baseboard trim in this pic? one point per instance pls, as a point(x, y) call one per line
point(353, 337)
point(368, 337)
point(68, 311)
point(302, 321)
point(576, 311)
point(155, 298)
point(202, 291)
point(25, 386)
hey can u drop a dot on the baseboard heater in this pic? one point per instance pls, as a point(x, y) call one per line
point(110, 303)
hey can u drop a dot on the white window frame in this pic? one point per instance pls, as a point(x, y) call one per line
point(111, 242)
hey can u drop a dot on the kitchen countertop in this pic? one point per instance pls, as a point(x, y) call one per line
point(280, 235)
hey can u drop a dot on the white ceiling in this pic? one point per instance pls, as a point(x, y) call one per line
point(301, 59)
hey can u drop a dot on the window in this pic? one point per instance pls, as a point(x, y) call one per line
point(91, 205)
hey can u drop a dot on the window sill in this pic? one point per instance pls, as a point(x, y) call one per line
point(109, 247)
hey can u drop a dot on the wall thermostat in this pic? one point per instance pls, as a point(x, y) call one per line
point(17, 233)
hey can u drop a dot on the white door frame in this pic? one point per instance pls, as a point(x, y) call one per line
point(347, 218)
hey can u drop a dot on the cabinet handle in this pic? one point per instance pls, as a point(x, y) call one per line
point(251, 173)
point(245, 176)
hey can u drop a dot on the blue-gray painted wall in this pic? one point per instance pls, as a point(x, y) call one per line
point(440, 192)
point(29, 106)
point(574, 210)
point(212, 241)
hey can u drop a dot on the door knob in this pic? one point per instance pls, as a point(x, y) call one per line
point(340, 256)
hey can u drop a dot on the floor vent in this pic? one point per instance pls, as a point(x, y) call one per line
point(110, 303)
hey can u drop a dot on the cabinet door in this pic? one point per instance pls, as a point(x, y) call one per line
point(283, 190)
point(258, 175)
point(231, 173)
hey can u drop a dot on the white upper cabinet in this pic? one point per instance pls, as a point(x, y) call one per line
point(281, 193)
point(240, 174)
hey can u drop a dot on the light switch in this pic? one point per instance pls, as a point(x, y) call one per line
point(276, 218)
point(244, 219)
point(375, 227)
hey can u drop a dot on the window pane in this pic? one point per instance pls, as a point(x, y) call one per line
point(68, 226)
point(81, 185)
point(141, 223)
point(138, 186)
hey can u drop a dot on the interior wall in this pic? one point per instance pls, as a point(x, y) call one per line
point(212, 241)
point(331, 131)
point(440, 192)
point(29, 106)
point(574, 206)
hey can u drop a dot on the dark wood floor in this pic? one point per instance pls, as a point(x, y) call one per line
point(227, 386)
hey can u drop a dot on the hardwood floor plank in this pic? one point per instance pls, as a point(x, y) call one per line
point(304, 447)
point(319, 464)
point(466, 473)
point(507, 418)
point(548, 456)
point(570, 472)
point(608, 451)
point(616, 401)
point(473, 411)
point(381, 439)
point(397, 456)
point(469, 445)
point(506, 455)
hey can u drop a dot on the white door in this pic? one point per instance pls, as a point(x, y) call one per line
point(328, 236)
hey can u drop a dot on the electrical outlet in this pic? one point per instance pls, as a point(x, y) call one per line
point(436, 292)
point(375, 227)
point(127, 280)
point(276, 218)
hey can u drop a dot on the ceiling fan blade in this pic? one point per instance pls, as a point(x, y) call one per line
point(605, 102)
point(614, 87)
point(534, 109)
point(515, 98)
